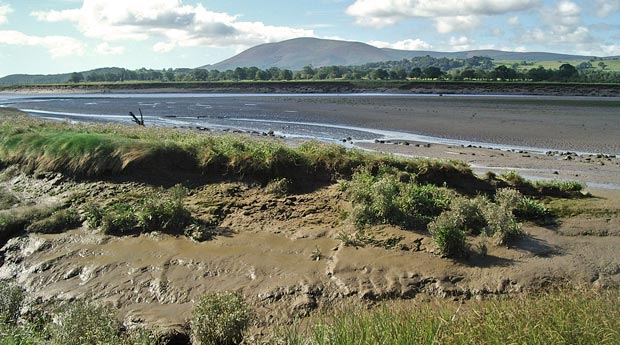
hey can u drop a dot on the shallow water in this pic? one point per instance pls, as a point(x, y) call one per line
point(278, 113)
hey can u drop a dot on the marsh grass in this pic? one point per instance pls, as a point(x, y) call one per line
point(16, 220)
point(108, 149)
point(557, 317)
point(549, 188)
point(57, 222)
point(152, 210)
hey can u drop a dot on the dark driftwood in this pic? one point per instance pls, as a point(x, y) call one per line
point(139, 122)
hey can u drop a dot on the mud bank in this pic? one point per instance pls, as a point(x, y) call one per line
point(424, 87)
point(286, 256)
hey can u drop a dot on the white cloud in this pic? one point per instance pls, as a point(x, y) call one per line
point(513, 20)
point(459, 23)
point(169, 22)
point(4, 11)
point(387, 12)
point(58, 46)
point(605, 8)
point(106, 49)
point(461, 43)
point(407, 44)
point(562, 25)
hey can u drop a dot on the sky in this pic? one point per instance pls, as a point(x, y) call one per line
point(59, 36)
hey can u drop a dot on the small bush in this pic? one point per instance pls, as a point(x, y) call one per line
point(164, 211)
point(153, 211)
point(471, 213)
point(57, 222)
point(84, 322)
point(508, 198)
point(513, 178)
point(531, 209)
point(279, 187)
point(219, 318)
point(94, 214)
point(448, 234)
point(120, 218)
point(385, 199)
point(11, 300)
point(502, 225)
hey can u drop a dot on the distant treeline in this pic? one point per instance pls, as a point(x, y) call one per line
point(422, 68)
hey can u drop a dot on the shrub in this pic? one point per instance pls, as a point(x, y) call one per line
point(120, 218)
point(470, 212)
point(279, 187)
point(385, 199)
point(11, 300)
point(513, 178)
point(508, 198)
point(421, 204)
point(502, 225)
point(84, 322)
point(57, 222)
point(531, 209)
point(153, 211)
point(219, 318)
point(94, 214)
point(164, 211)
point(448, 234)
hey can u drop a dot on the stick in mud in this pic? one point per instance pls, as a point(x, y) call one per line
point(139, 122)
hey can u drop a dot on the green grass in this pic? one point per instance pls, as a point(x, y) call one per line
point(613, 65)
point(97, 150)
point(540, 188)
point(561, 317)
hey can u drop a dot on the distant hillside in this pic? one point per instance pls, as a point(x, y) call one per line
point(299, 52)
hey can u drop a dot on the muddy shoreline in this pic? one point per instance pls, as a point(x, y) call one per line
point(293, 87)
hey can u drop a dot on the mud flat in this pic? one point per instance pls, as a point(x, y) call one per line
point(289, 250)
point(424, 87)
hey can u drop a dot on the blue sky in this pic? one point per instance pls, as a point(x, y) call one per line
point(71, 35)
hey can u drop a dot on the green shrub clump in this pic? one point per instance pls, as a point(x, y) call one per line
point(448, 234)
point(155, 211)
point(11, 300)
point(58, 221)
point(84, 322)
point(219, 318)
point(385, 199)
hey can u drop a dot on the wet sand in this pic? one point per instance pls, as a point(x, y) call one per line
point(565, 124)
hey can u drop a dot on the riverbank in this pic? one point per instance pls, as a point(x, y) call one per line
point(363, 86)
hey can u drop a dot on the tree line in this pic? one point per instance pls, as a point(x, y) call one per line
point(419, 68)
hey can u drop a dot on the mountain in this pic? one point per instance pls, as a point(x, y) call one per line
point(296, 53)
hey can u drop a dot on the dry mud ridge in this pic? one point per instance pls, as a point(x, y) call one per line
point(285, 255)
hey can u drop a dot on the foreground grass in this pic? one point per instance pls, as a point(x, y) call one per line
point(561, 317)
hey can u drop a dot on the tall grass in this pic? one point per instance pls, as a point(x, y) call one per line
point(100, 149)
point(561, 317)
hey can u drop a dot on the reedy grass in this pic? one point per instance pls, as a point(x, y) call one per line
point(103, 149)
point(557, 317)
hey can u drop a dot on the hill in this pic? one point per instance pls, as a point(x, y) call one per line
point(296, 53)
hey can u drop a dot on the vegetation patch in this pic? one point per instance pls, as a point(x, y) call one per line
point(219, 318)
point(57, 222)
point(96, 150)
point(558, 188)
point(157, 210)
